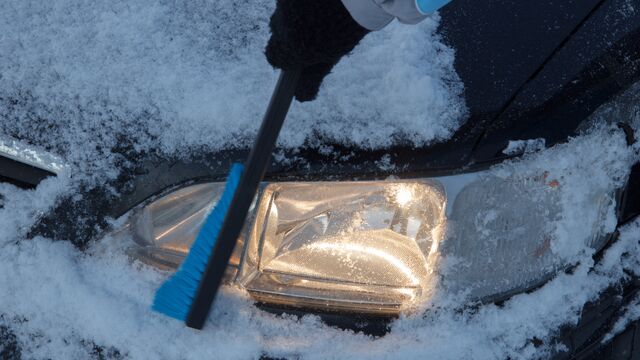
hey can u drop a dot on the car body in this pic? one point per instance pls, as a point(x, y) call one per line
point(531, 70)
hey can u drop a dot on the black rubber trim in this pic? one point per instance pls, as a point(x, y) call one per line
point(21, 174)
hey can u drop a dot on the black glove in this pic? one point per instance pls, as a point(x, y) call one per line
point(312, 35)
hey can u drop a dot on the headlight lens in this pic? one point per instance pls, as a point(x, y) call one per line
point(376, 247)
point(356, 246)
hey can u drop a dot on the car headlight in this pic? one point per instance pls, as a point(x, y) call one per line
point(376, 247)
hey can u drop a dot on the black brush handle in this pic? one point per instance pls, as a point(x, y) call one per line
point(252, 175)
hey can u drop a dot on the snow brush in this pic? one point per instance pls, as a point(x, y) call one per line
point(189, 293)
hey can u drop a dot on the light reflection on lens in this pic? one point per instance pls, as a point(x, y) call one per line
point(346, 248)
point(403, 195)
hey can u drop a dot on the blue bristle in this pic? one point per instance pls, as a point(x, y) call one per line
point(175, 296)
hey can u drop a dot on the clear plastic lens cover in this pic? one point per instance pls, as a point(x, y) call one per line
point(378, 247)
point(165, 229)
point(344, 244)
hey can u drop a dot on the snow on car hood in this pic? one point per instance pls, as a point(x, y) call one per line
point(63, 303)
point(79, 75)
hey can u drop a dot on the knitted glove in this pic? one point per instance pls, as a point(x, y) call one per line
point(313, 35)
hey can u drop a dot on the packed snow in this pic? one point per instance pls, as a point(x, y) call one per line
point(175, 76)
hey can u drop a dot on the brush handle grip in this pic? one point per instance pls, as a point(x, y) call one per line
point(254, 170)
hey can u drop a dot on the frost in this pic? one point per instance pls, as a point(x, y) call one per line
point(628, 8)
point(631, 314)
point(385, 163)
point(517, 147)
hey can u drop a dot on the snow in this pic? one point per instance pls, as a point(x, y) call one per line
point(517, 147)
point(57, 299)
point(579, 173)
point(631, 314)
point(174, 76)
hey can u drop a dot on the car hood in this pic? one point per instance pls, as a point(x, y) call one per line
point(530, 71)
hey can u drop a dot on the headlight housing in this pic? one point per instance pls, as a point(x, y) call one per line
point(377, 247)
